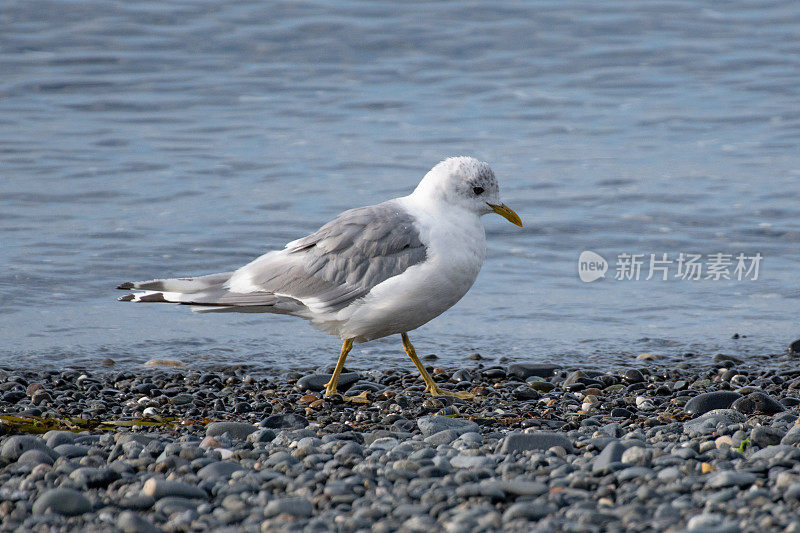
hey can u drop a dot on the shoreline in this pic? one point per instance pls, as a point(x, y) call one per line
point(541, 447)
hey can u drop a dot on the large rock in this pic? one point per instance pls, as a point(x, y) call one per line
point(708, 401)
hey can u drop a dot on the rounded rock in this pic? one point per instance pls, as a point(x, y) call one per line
point(67, 502)
point(709, 401)
point(237, 430)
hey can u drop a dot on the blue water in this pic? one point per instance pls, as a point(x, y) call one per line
point(151, 139)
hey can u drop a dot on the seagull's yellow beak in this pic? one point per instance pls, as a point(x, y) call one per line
point(507, 213)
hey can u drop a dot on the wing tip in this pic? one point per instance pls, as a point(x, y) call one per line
point(128, 285)
point(126, 298)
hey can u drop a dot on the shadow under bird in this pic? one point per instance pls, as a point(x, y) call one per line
point(371, 272)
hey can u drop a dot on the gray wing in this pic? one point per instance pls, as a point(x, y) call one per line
point(340, 262)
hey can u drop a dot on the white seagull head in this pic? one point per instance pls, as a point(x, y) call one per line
point(467, 183)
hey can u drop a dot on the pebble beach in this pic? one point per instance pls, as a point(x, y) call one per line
point(657, 446)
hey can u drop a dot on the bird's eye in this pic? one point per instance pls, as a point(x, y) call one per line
point(477, 190)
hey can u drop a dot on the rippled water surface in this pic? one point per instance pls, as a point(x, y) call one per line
point(144, 139)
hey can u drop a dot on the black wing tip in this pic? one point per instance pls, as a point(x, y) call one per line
point(126, 298)
point(128, 285)
point(155, 297)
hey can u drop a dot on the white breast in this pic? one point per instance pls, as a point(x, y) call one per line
point(455, 245)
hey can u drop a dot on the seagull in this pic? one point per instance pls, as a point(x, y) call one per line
point(371, 272)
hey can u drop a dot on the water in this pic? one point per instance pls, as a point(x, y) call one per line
point(144, 139)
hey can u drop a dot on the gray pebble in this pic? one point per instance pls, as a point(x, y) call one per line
point(792, 437)
point(611, 454)
point(537, 440)
point(635, 473)
point(92, 478)
point(730, 478)
point(237, 430)
point(35, 457)
point(758, 402)
point(261, 435)
point(783, 451)
point(317, 382)
point(297, 507)
point(525, 370)
point(130, 522)
point(446, 436)
point(175, 504)
point(763, 436)
point(16, 445)
point(431, 424)
point(55, 438)
point(285, 421)
point(161, 488)
point(221, 470)
point(528, 511)
point(707, 423)
point(70, 451)
point(67, 502)
point(473, 461)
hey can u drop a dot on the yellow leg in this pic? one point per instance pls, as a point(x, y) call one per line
point(430, 385)
point(330, 387)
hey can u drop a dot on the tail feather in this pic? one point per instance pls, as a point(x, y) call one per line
point(182, 285)
point(208, 294)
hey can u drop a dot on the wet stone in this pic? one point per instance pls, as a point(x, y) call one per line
point(537, 440)
point(633, 376)
point(67, 502)
point(92, 478)
point(611, 455)
point(71, 451)
point(432, 424)
point(170, 505)
point(237, 430)
point(317, 382)
point(297, 507)
point(16, 445)
point(524, 371)
point(221, 470)
point(709, 401)
point(285, 421)
point(161, 488)
point(35, 457)
point(758, 402)
point(730, 478)
point(130, 522)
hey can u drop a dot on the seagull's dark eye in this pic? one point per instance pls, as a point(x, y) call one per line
point(477, 190)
